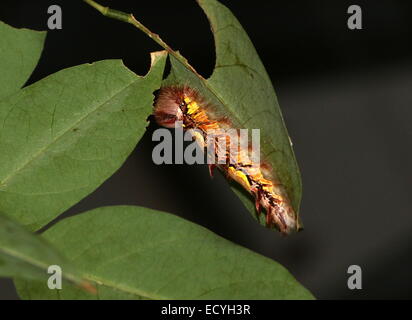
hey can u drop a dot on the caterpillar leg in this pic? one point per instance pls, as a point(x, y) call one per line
point(256, 194)
point(211, 169)
point(268, 218)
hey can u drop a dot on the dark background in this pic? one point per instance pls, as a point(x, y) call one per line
point(346, 97)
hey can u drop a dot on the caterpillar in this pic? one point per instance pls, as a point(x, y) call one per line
point(182, 104)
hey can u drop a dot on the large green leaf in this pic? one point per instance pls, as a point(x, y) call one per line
point(61, 137)
point(240, 88)
point(28, 256)
point(20, 50)
point(133, 252)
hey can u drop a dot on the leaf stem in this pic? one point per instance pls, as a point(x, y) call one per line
point(129, 18)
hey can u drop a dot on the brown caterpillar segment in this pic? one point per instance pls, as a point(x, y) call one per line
point(186, 105)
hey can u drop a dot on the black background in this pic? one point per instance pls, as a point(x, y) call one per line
point(346, 97)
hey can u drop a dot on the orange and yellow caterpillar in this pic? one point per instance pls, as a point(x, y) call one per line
point(184, 104)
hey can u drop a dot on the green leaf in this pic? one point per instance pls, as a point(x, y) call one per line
point(28, 256)
point(20, 51)
point(133, 252)
point(61, 137)
point(241, 89)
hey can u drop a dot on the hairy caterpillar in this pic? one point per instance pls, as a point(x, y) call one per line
point(184, 104)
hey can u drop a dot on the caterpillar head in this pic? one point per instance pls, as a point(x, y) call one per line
point(169, 107)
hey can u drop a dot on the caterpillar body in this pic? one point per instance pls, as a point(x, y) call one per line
point(185, 105)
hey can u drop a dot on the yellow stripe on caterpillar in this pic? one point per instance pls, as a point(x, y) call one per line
point(187, 100)
point(239, 177)
point(192, 107)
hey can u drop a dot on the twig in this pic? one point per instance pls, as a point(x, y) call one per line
point(129, 18)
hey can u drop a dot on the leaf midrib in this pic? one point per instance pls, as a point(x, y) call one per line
point(123, 288)
point(20, 256)
point(34, 262)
